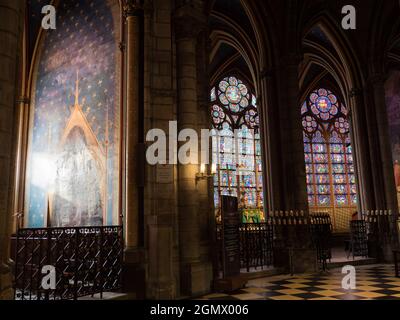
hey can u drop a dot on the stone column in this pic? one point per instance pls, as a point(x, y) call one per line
point(387, 194)
point(296, 188)
point(296, 245)
point(195, 277)
point(161, 202)
point(270, 139)
point(161, 285)
point(365, 188)
point(292, 136)
point(205, 187)
point(20, 167)
point(389, 197)
point(132, 12)
point(11, 20)
point(134, 257)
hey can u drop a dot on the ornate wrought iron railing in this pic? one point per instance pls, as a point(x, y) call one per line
point(87, 261)
point(381, 228)
point(256, 245)
point(321, 235)
point(359, 239)
point(288, 229)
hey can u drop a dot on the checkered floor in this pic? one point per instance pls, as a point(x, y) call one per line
point(376, 282)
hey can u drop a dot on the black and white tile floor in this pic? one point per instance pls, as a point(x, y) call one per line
point(372, 282)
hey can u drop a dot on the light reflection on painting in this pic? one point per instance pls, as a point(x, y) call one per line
point(72, 172)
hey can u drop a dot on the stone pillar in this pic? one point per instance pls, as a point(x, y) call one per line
point(270, 139)
point(387, 194)
point(205, 187)
point(161, 189)
point(20, 167)
point(134, 256)
point(195, 276)
point(365, 187)
point(389, 197)
point(132, 12)
point(11, 20)
point(292, 134)
point(161, 285)
point(296, 246)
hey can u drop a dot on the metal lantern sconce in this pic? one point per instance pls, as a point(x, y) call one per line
point(203, 175)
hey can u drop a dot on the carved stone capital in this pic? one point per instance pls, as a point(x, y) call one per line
point(189, 22)
point(132, 8)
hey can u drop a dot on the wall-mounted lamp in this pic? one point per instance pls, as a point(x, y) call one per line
point(203, 175)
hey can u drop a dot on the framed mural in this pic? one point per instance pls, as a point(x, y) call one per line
point(392, 93)
point(73, 156)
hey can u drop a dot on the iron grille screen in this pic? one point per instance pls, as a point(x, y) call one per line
point(321, 235)
point(87, 260)
point(256, 245)
point(359, 238)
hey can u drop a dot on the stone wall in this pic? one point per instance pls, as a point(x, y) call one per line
point(11, 14)
point(161, 214)
point(177, 207)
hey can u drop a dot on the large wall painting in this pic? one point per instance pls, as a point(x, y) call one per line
point(73, 154)
point(392, 92)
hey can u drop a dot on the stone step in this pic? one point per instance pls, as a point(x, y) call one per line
point(351, 262)
point(262, 273)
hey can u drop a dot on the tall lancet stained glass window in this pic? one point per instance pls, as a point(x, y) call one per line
point(236, 149)
point(331, 184)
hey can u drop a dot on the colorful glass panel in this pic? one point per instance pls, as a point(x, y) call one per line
point(327, 151)
point(324, 200)
point(341, 200)
point(213, 95)
point(238, 158)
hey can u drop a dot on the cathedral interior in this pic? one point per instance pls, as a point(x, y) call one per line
point(213, 149)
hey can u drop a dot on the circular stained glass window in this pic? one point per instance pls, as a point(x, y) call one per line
point(323, 104)
point(309, 124)
point(234, 103)
point(233, 94)
point(217, 114)
point(342, 125)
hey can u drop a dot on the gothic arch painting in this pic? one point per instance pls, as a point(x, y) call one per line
point(392, 93)
point(73, 154)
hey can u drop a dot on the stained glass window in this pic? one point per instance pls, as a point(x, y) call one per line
point(236, 148)
point(328, 156)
